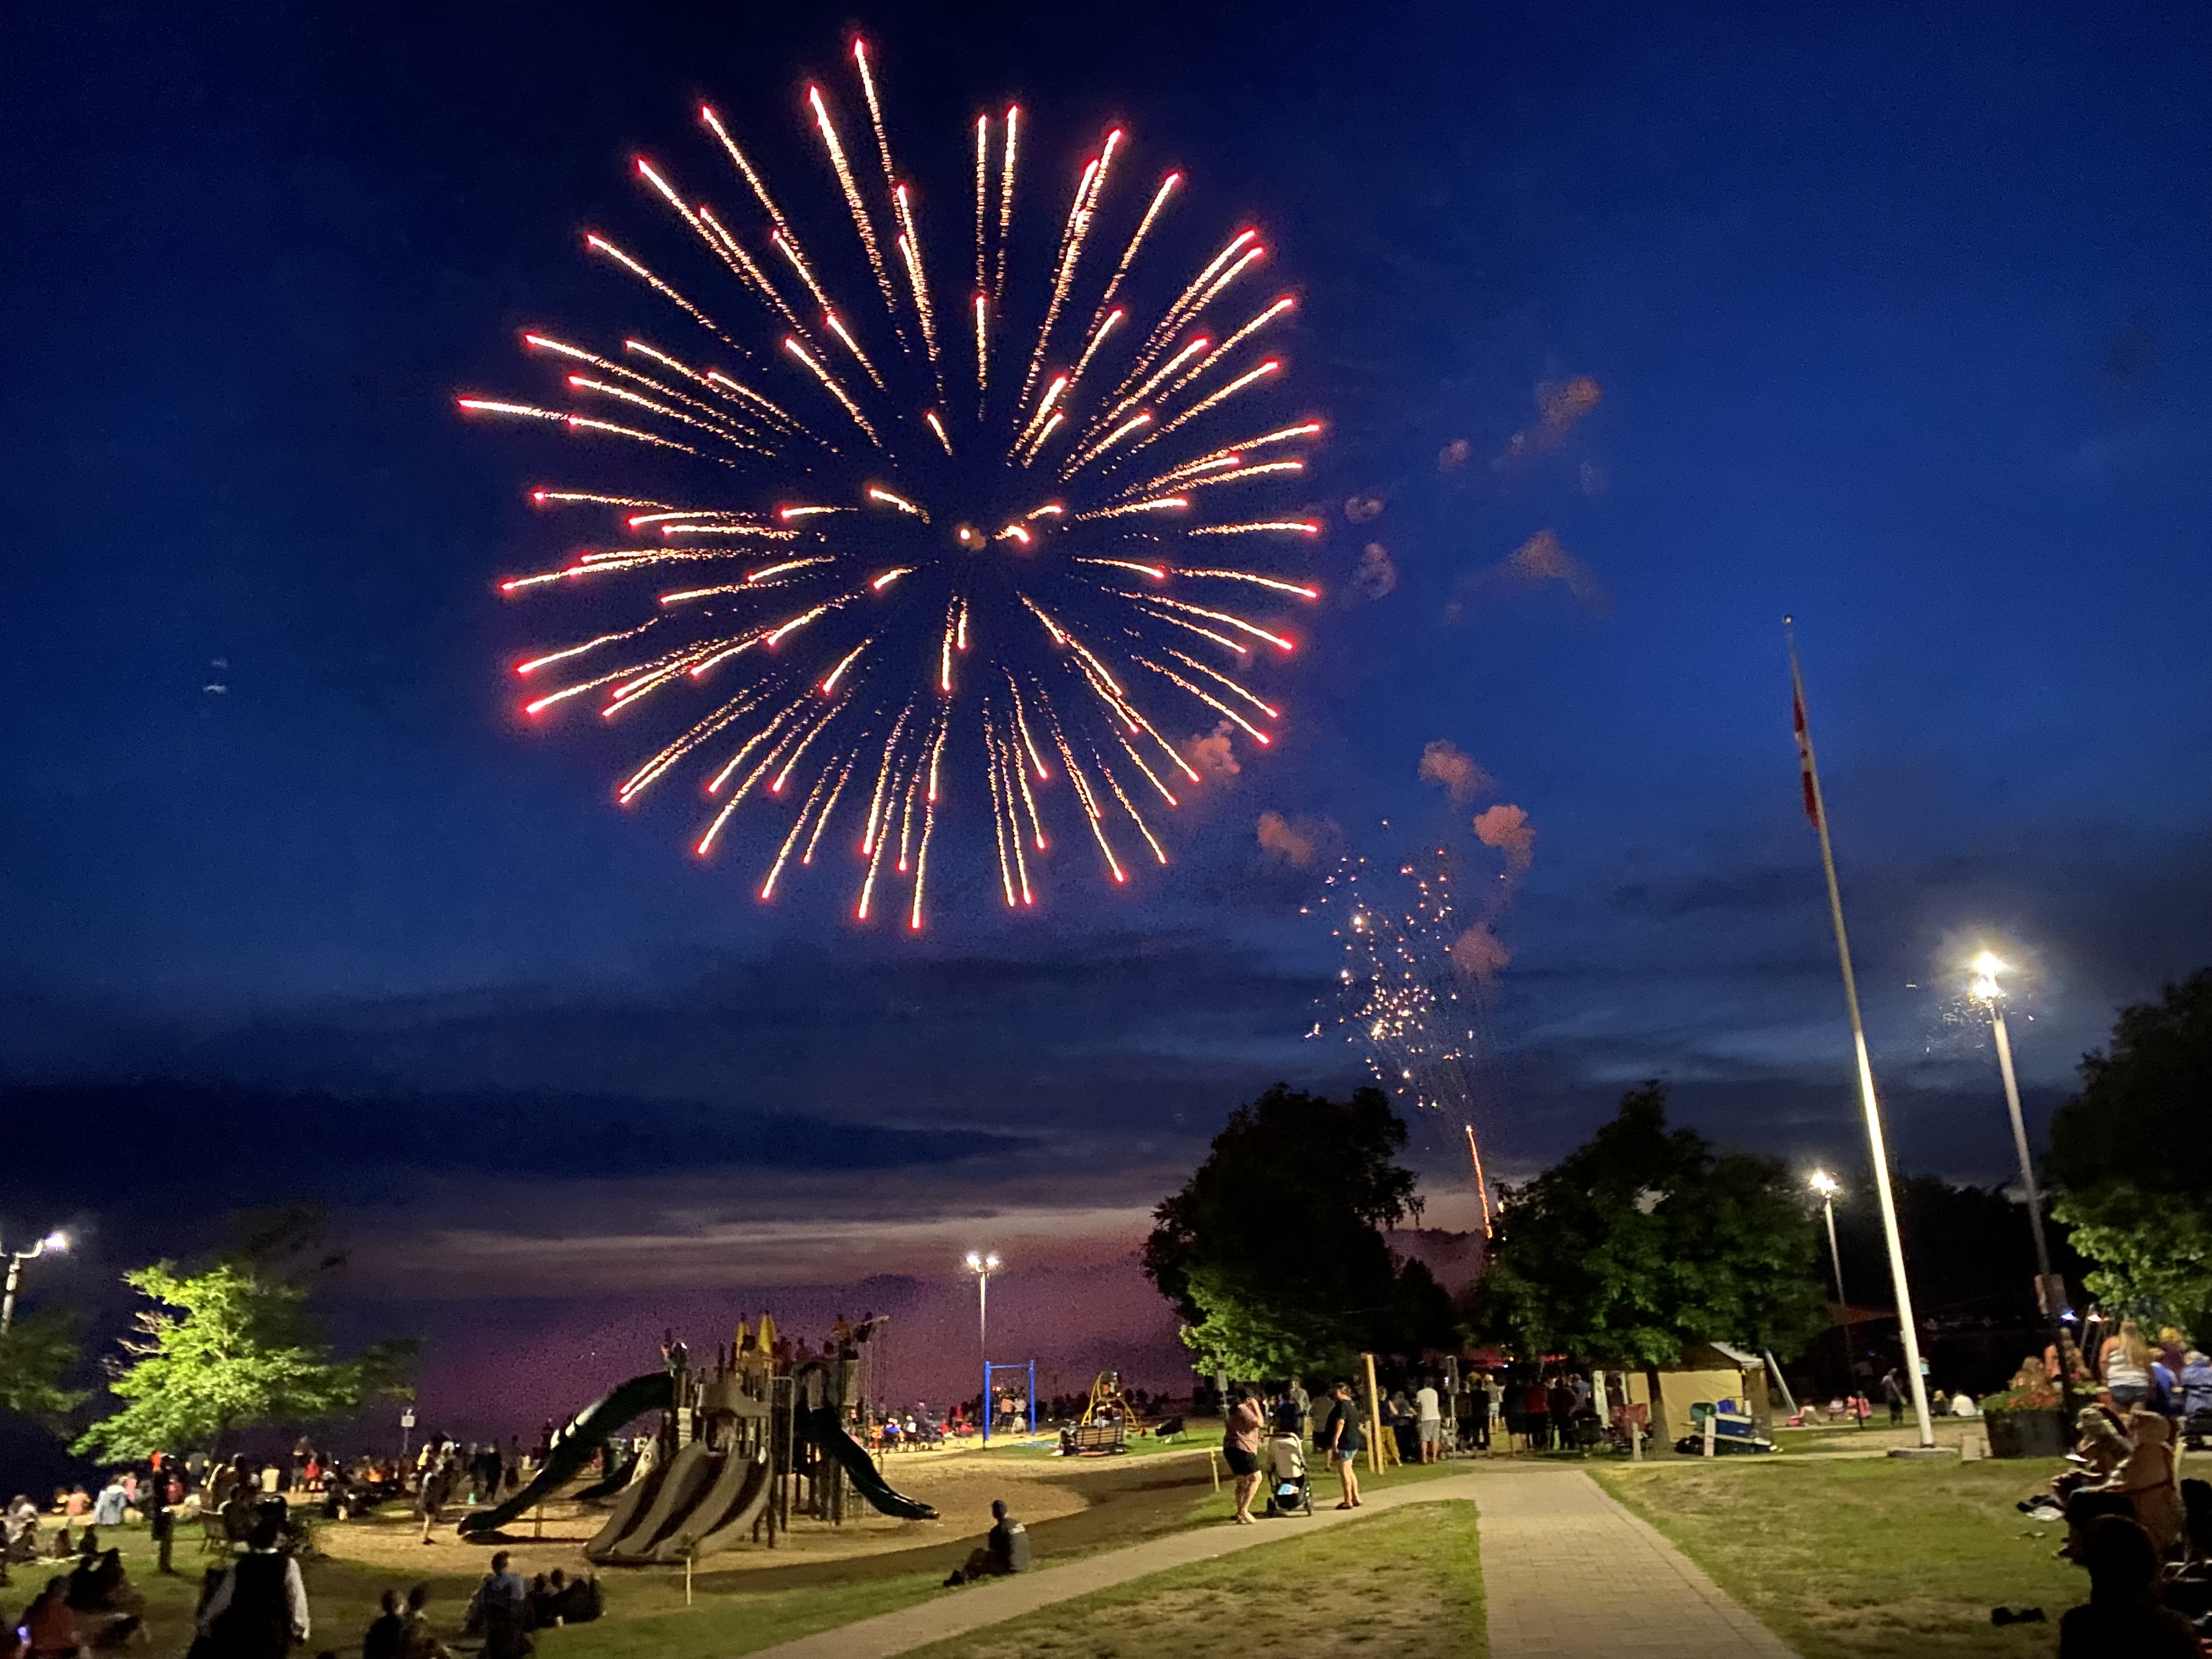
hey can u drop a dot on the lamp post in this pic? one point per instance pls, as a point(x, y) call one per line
point(55, 1242)
point(2050, 1292)
point(1828, 1188)
point(983, 1264)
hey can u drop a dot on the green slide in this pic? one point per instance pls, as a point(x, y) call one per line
point(573, 1447)
point(819, 1424)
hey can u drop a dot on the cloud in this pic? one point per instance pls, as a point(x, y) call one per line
point(1377, 573)
point(1461, 773)
point(1212, 756)
point(1508, 829)
point(1454, 455)
point(1277, 835)
point(1561, 405)
point(1361, 508)
point(1478, 953)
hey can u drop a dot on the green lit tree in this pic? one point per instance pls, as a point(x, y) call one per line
point(227, 1349)
point(1646, 1240)
point(36, 1353)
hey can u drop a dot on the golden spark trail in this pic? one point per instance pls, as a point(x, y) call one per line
point(837, 328)
point(752, 396)
point(875, 110)
point(1274, 582)
point(1223, 616)
point(798, 826)
point(636, 783)
point(929, 418)
point(999, 810)
point(1086, 203)
point(1235, 340)
point(1221, 640)
point(982, 194)
point(1207, 698)
point(714, 786)
point(1007, 200)
point(1043, 438)
point(759, 190)
point(1271, 712)
point(789, 249)
point(1135, 422)
point(537, 662)
point(1151, 777)
point(829, 683)
point(928, 828)
point(1130, 806)
point(830, 384)
point(1022, 724)
point(792, 764)
point(1237, 475)
point(1158, 504)
point(576, 498)
point(599, 244)
point(584, 383)
point(573, 422)
point(1099, 334)
point(869, 842)
point(898, 502)
point(1248, 377)
point(1158, 573)
point(1172, 318)
point(1145, 391)
point(1289, 526)
point(1143, 229)
point(748, 267)
point(562, 348)
point(918, 275)
point(862, 222)
point(823, 823)
point(983, 353)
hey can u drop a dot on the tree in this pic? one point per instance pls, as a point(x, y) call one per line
point(1273, 1253)
point(36, 1353)
point(230, 1348)
point(1646, 1241)
point(2133, 1154)
point(2144, 1113)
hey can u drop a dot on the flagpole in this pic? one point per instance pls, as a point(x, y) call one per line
point(1877, 1143)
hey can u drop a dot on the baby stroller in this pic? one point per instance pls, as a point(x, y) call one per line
point(1283, 1463)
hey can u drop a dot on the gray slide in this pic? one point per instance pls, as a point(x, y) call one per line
point(635, 1498)
point(690, 1472)
point(725, 1515)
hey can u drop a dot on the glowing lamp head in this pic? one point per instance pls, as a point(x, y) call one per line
point(1824, 1183)
point(1986, 968)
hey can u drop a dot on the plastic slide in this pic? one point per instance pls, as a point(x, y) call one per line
point(725, 1515)
point(691, 1471)
point(636, 1497)
point(820, 1425)
point(573, 1447)
point(622, 1468)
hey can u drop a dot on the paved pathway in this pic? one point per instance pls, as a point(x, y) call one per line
point(1567, 1573)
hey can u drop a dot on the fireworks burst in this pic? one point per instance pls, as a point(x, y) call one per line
point(1401, 997)
point(874, 558)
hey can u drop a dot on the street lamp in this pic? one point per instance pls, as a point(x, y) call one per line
point(1829, 1190)
point(55, 1242)
point(984, 1265)
point(1990, 994)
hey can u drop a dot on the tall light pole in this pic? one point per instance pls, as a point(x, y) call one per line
point(2050, 1293)
point(1828, 1187)
point(1990, 994)
point(57, 1243)
point(984, 1265)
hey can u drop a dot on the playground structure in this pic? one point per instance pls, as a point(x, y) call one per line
point(1025, 1421)
point(741, 1450)
point(1108, 1420)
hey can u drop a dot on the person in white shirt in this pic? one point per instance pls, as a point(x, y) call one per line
point(1428, 1409)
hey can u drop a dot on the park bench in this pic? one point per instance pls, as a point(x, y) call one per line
point(1086, 1439)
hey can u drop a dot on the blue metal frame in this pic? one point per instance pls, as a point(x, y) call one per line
point(1028, 1401)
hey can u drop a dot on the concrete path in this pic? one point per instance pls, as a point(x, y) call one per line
point(1567, 1573)
point(973, 1606)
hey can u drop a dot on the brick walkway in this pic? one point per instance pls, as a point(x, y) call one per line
point(1568, 1573)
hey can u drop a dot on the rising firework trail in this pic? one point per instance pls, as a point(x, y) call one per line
point(859, 562)
point(1403, 1001)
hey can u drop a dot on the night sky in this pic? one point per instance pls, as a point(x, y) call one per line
point(1894, 319)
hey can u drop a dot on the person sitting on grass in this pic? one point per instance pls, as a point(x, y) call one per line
point(2122, 1618)
point(2146, 1479)
point(387, 1635)
point(1005, 1550)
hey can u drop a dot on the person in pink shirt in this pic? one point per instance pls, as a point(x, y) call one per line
point(1240, 1449)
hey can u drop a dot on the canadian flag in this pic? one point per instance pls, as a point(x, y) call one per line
point(1804, 753)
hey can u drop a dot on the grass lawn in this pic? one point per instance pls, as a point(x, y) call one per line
point(735, 1612)
point(1877, 1559)
point(1407, 1584)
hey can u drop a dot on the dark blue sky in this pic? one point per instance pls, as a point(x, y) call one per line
point(1900, 317)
